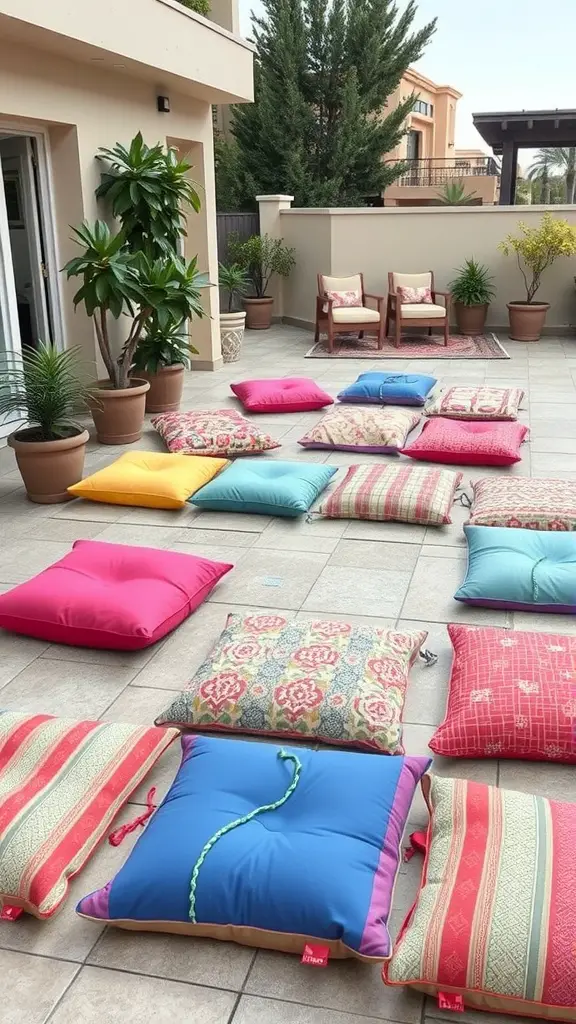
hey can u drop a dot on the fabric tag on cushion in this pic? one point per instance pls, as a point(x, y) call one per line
point(218, 432)
point(348, 428)
point(476, 403)
point(414, 296)
point(349, 298)
point(522, 502)
point(405, 494)
point(315, 955)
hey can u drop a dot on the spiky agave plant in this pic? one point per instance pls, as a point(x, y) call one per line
point(45, 387)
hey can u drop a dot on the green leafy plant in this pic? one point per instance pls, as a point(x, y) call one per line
point(454, 194)
point(163, 348)
point(48, 387)
point(537, 248)
point(234, 280)
point(262, 256)
point(200, 6)
point(473, 284)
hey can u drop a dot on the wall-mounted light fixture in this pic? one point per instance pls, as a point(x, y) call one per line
point(163, 104)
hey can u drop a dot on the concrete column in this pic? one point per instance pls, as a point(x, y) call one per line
point(270, 208)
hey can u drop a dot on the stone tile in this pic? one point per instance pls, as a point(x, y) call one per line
point(410, 533)
point(319, 535)
point(214, 552)
point(556, 445)
point(243, 522)
point(138, 704)
point(431, 592)
point(70, 689)
point(428, 684)
point(141, 536)
point(132, 999)
point(173, 517)
point(133, 660)
point(90, 511)
point(358, 620)
point(67, 530)
point(278, 580)
point(20, 560)
point(16, 653)
point(555, 781)
point(377, 592)
point(255, 1010)
point(453, 534)
point(32, 986)
point(377, 554)
point(544, 622)
point(550, 464)
point(227, 538)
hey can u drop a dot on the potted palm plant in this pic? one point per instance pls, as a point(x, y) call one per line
point(536, 249)
point(46, 387)
point(472, 291)
point(161, 358)
point(261, 256)
point(233, 280)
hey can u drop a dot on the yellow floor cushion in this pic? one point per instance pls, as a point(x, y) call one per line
point(149, 479)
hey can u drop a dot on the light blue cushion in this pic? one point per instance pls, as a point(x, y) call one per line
point(389, 389)
point(272, 488)
point(533, 570)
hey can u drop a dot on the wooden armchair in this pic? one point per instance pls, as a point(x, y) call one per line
point(416, 314)
point(342, 308)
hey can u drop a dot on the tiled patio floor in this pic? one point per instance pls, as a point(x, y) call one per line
point(69, 971)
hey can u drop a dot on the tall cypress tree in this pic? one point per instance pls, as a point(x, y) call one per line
point(324, 69)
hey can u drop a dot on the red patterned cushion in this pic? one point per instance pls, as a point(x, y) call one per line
point(414, 296)
point(466, 403)
point(511, 694)
point(349, 298)
point(408, 494)
point(528, 503)
point(468, 444)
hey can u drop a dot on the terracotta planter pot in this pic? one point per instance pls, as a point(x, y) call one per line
point(231, 335)
point(48, 468)
point(527, 320)
point(471, 320)
point(166, 386)
point(258, 313)
point(119, 415)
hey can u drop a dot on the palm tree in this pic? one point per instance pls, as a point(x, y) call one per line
point(561, 159)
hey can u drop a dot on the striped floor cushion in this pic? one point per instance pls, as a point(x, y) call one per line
point(62, 783)
point(407, 494)
point(494, 924)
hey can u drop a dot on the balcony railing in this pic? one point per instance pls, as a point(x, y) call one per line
point(436, 171)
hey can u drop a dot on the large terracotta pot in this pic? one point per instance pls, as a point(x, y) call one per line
point(527, 320)
point(48, 468)
point(166, 386)
point(258, 313)
point(231, 335)
point(471, 320)
point(119, 414)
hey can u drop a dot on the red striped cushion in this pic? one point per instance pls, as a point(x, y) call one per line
point(62, 784)
point(407, 494)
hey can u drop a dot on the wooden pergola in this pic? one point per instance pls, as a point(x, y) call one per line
point(510, 131)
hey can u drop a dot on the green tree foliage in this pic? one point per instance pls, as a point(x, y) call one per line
point(200, 6)
point(551, 168)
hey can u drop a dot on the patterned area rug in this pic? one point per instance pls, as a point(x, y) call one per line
point(421, 346)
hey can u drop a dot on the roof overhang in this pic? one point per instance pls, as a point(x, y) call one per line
point(527, 128)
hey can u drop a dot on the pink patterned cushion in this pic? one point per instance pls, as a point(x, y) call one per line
point(468, 444)
point(414, 296)
point(352, 298)
point(211, 432)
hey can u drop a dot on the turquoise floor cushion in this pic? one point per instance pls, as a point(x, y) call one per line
point(272, 488)
point(533, 570)
point(389, 388)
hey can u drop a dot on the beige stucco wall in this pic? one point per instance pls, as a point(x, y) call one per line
point(481, 186)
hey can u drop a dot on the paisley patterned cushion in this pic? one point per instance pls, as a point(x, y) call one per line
point(468, 444)
point(464, 403)
point(362, 430)
point(493, 927)
point(511, 694)
point(533, 504)
point(414, 296)
point(329, 681)
point(349, 298)
point(408, 494)
point(211, 432)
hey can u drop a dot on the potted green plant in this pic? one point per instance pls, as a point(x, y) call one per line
point(536, 249)
point(161, 358)
point(472, 291)
point(232, 279)
point(261, 256)
point(47, 387)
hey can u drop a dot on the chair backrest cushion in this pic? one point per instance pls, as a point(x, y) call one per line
point(341, 284)
point(412, 280)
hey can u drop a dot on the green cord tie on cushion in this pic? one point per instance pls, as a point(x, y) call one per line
point(535, 587)
point(284, 756)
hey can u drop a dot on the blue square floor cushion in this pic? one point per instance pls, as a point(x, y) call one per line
point(273, 488)
point(534, 570)
point(269, 846)
point(389, 389)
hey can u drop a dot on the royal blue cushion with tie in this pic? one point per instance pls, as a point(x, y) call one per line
point(389, 389)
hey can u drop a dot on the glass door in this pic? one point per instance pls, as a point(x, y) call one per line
point(9, 328)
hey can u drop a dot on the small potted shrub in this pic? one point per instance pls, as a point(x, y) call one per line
point(472, 292)
point(261, 256)
point(536, 249)
point(161, 358)
point(233, 280)
point(47, 386)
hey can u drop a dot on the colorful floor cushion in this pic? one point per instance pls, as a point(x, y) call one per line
point(326, 681)
point(494, 923)
point(149, 479)
point(351, 429)
point(533, 570)
point(511, 694)
point(468, 444)
point(269, 847)
point(218, 432)
point(113, 596)
point(469, 403)
point(389, 389)
point(408, 494)
point(272, 488)
point(281, 394)
point(529, 503)
point(62, 783)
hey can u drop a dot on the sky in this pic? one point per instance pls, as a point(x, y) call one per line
point(501, 54)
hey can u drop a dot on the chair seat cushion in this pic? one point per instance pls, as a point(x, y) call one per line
point(272, 488)
point(533, 570)
point(149, 479)
point(320, 867)
point(112, 596)
point(62, 783)
point(531, 504)
point(495, 919)
point(511, 694)
point(281, 394)
point(406, 494)
point(326, 681)
point(355, 315)
point(476, 403)
point(389, 389)
point(352, 429)
point(468, 444)
point(218, 432)
point(422, 310)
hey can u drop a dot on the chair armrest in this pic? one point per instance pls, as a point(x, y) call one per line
point(378, 299)
point(445, 295)
point(324, 305)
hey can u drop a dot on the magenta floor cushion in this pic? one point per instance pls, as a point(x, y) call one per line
point(113, 596)
point(281, 394)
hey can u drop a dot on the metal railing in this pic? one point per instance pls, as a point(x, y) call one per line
point(437, 171)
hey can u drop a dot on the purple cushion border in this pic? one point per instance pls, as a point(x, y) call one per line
point(362, 449)
point(518, 606)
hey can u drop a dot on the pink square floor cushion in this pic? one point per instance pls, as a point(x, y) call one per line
point(113, 596)
point(281, 394)
point(465, 443)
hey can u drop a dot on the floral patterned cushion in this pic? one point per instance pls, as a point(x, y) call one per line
point(211, 432)
point(533, 504)
point(414, 296)
point(465, 403)
point(350, 298)
point(407, 494)
point(326, 681)
point(352, 429)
